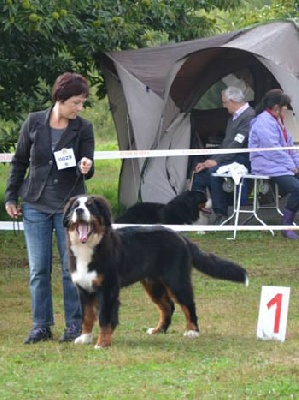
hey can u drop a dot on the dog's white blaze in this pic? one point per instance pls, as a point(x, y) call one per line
point(82, 204)
point(82, 276)
point(85, 338)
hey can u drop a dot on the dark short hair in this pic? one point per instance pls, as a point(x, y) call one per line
point(277, 96)
point(69, 84)
point(274, 97)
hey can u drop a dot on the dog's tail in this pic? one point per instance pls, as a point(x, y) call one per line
point(216, 266)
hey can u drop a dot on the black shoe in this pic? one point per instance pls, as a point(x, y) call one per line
point(70, 333)
point(38, 335)
point(219, 219)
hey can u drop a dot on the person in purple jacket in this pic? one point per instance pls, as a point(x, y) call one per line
point(282, 165)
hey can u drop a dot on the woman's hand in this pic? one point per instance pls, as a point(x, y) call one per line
point(13, 211)
point(85, 165)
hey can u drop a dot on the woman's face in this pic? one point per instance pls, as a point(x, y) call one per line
point(283, 111)
point(71, 107)
point(280, 111)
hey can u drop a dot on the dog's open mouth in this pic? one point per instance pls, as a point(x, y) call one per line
point(204, 209)
point(83, 230)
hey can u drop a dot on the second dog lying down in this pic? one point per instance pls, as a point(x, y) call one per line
point(182, 209)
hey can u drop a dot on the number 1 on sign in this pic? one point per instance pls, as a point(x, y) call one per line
point(272, 321)
point(276, 301)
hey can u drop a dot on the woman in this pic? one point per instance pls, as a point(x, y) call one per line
point(54, 156)
point(282, 165)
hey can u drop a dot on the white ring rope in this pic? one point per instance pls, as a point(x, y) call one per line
point(122, 154)
point(9, 226)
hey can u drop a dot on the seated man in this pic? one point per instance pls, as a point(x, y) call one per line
point(236, 136)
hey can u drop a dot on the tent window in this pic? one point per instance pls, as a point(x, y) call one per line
point(212, 97)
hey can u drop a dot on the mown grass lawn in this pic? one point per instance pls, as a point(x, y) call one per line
point(225, 362)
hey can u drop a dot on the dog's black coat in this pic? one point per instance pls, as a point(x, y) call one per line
point(182, 209)
point(159, 258)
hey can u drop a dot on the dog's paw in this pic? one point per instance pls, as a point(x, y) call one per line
point(102, 346)
point(247, 281)
point(85, 338)
point(154, 331)
point(191, 334)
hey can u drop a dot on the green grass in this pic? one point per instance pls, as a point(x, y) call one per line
point(225, 362)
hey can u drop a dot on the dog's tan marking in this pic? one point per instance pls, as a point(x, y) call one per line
point(165, 310)
point(99, 225)
point(192, 329)
point(162, 324)
point(98, 281)
point(190, 325)
point(104, 338)
point(89, 318)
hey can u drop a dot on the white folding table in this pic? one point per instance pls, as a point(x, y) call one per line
point(257, 179)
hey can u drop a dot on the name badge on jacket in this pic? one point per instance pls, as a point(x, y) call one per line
point(65, 158)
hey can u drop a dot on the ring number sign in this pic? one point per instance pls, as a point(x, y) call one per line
point(273, 313)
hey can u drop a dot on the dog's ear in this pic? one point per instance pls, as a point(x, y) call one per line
point(67, 211)
point(104, 209)
point(202, 196)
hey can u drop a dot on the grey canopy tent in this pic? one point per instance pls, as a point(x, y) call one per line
point(159, 98)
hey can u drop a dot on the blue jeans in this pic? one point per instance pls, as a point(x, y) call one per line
point(289, 184)
point(38, 229)
point(204, 179)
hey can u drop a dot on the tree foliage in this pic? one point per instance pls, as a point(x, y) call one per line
point(42, 38)
point(279, 9)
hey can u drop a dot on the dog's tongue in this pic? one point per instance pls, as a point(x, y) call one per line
point(83, 230)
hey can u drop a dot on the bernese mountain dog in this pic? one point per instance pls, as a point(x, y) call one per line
point(102, 260)
point(184, 208)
